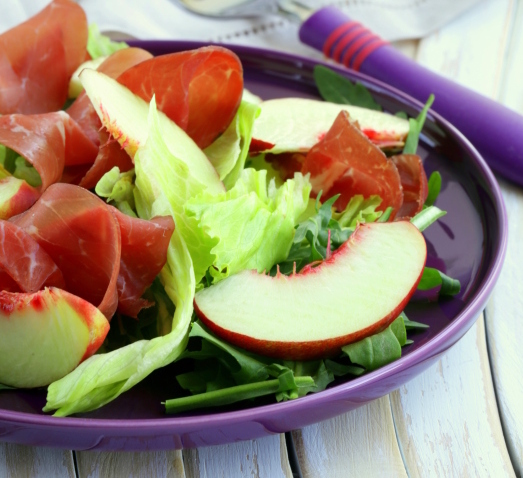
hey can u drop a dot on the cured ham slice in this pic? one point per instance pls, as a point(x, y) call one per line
point(48, 141)
point(144, 253)
point(38, 56)
point(414, 183)
point(345, 162)
point(24, 265)
point(199, 90)
point(110, 154)
point(81, 235)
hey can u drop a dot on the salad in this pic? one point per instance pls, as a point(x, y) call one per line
point(163, 214)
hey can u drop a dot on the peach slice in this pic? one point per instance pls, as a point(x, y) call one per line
point(45, 335)
point(355, 293)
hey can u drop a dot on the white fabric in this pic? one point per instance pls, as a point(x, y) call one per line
point(164, 19)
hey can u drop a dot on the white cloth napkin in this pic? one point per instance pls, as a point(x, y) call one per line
point(164, 19)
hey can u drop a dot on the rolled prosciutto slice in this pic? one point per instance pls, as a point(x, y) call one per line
point(48, 141)
point(414, 183)
point(144, 253)
point(110, 154)
point(82, 236)
point(24, 265)
point(200, 90)
point(345, 162)
point(38, 57)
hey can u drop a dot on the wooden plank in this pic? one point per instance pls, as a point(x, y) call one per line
point(264, 457)
point(95, 464)
point(505, 329)
point(484, 50)
point(447, 420)
point(503, 314)
point(471, 50)
point(358, 443)
point(18, 461)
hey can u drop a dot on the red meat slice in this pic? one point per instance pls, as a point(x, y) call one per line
point(144, 253)
point(199, 90)
point(345, 162)
point(45, 141)
point(38, 57)
point(24, 265)
point(414, 182)
point(110, 154)
point(80, 233)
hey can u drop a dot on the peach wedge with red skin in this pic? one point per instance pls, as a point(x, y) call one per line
point(16, 196)
point(355, 293)
point(45, 335)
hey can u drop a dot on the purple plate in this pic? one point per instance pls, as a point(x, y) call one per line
point(468, 243)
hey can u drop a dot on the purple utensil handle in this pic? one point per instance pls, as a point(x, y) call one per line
point(496, 131)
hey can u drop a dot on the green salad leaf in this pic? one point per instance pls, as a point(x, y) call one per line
point(415, 127)
point(229, 152)
point(426, 217)
point(118, 189)
point(433, 278)
point(103, 377)
point(12, 164)
point(434, 188)
point(251, 226)
point(311, 241)
point(338, 89)
point(99, 45)
point(379, 349)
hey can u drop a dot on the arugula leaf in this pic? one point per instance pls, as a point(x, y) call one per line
point(434, 187)
point(5, 387)
point(411, 324)
point(338, 89)
point(379, 349)
point(432, 278)
point(415, 127)
point(311, 240)
point(242, 367)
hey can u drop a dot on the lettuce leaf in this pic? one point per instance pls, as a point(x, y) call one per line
point(102, 378)
point(118, 189)
point(251, 225)
point(99, 45)
point(229, 152)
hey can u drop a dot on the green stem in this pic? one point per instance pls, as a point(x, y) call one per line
point(230, 395)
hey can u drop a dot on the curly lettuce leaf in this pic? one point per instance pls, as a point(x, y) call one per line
point(99, 45)
point(229, 152)
point(118, 189)
point(252, 224)
point(104, 377)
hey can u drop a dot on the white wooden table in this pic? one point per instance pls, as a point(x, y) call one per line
point(462, 417)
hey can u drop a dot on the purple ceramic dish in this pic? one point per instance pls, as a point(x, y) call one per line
point(468, 243)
